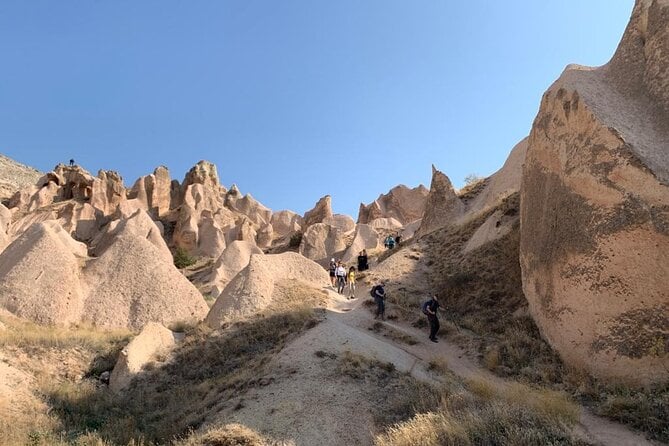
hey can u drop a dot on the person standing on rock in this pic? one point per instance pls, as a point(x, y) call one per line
point(430, 309)
point(362, 261)
point(379, 295)
point(340, 272)
point(71, 162)
point(351, 282)
point(332, 269)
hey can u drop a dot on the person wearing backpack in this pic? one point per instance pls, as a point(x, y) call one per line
point(332, 269)
point(430, 310)
point(378, 292)
point(340, 272)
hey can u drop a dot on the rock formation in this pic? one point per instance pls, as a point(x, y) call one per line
point(285, 223)
point(401, 203)
point(154, 192)
point(595, 208)
point(153, 340)
point(39, 275)
point(365, 238)
point(442, 206)
point(15, 176)
point(320, 242)
point(321, 211)
point(252, 290)
point(233, 259)
point(342, 222)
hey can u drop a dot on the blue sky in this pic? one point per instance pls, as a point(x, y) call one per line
point(291, 99)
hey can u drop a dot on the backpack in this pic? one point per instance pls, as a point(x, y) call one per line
point(424, 307)
point(372, 292)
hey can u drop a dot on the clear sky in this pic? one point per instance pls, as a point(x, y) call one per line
point(291, 100)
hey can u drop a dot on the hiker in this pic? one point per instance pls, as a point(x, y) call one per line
point(351, 282)
point(430, 310)
point(340, 272)
point(379, 295)
point(332, 269)
point(71, 162)
point(389, 242)
point(398, 239)
point(362, 261)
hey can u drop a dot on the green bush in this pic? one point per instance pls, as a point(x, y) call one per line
point(182, 259)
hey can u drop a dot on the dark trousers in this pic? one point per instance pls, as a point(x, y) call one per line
point(434, 326)
point(380, 307)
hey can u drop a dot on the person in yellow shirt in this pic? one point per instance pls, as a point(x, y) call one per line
point(351, 283)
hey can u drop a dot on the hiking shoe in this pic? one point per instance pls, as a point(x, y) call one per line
point(433, 340)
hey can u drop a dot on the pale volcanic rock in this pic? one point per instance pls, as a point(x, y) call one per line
point(132, 283)
point(285, 223)
point(342, 222)
point(503, 183)
point(321, 211)
point(495, 227)
point(234, 258)
point(248, 206)
point(211, 237)
point(595, 208)
point(204, 173)
point(107, 191)
point(39, 275)
point(139, 225)
point(321, 241)
point(5, 221)
point(15, 176)
point(401, 203)
point(443, 205)
point(265, 236)
point(153, 340)
point(386, 223)
point(252, 290)
point(365, 238)
point(410, 230)
point(154, 191)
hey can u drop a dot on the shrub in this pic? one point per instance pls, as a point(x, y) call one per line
point(182, 259)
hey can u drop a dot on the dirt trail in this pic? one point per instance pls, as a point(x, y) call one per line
point(594, 429)
point(306, 402)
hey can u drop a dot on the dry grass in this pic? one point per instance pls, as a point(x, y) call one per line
point(392, 333)
point(479, 414)
point(206, 372)
point(438, 365)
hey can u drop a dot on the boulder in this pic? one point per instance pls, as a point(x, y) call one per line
point(321, 241)
point(139, 225)
point(234, 258)
point(39, 275)
point(210, 236)
point(252, 290)
point(264, 236)
point(443, 205)
point(365, 238)
point(321, 211)
point(152, 341)
point(401, 203)
point(595, 209)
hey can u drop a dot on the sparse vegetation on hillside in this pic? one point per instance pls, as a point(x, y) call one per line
point(182, 259)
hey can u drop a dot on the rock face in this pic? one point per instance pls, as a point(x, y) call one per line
point(154, 339)
point(401, 203)
point(342, 222)
point(365, 238)
point(252, 290)
point(285, 223)
point(321, 241)
point(15, 176)
point(39, 275)
point(235, 258)
point(595, 208)
point(319, 213)
point(154, 192)
point(443, 206)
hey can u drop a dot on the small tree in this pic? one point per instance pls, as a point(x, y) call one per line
point(472, 178)
point(182, 259)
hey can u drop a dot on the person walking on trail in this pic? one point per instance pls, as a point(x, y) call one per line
point(332, 269)
point(390, 242)
point(379, 295)
point(340, 272)
point(351, 282)
point(430, 309)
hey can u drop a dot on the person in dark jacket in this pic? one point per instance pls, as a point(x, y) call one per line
point(362, 261)
point(379, 294)
point(430, 309)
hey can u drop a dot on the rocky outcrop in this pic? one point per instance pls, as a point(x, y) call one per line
point(39, 275)
point(285, 223)
point(248, 206)
point(252, 290)
point(107, 191)
point(15, 176)
point(152, 341)
point(386, 224)
point(154, 192)
point(401, 203)
point(342, 222)
point(235, 258)
point(319, 213)
point(595, 208)
point(443, 206)
point(365, 238)
point(320, 242)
